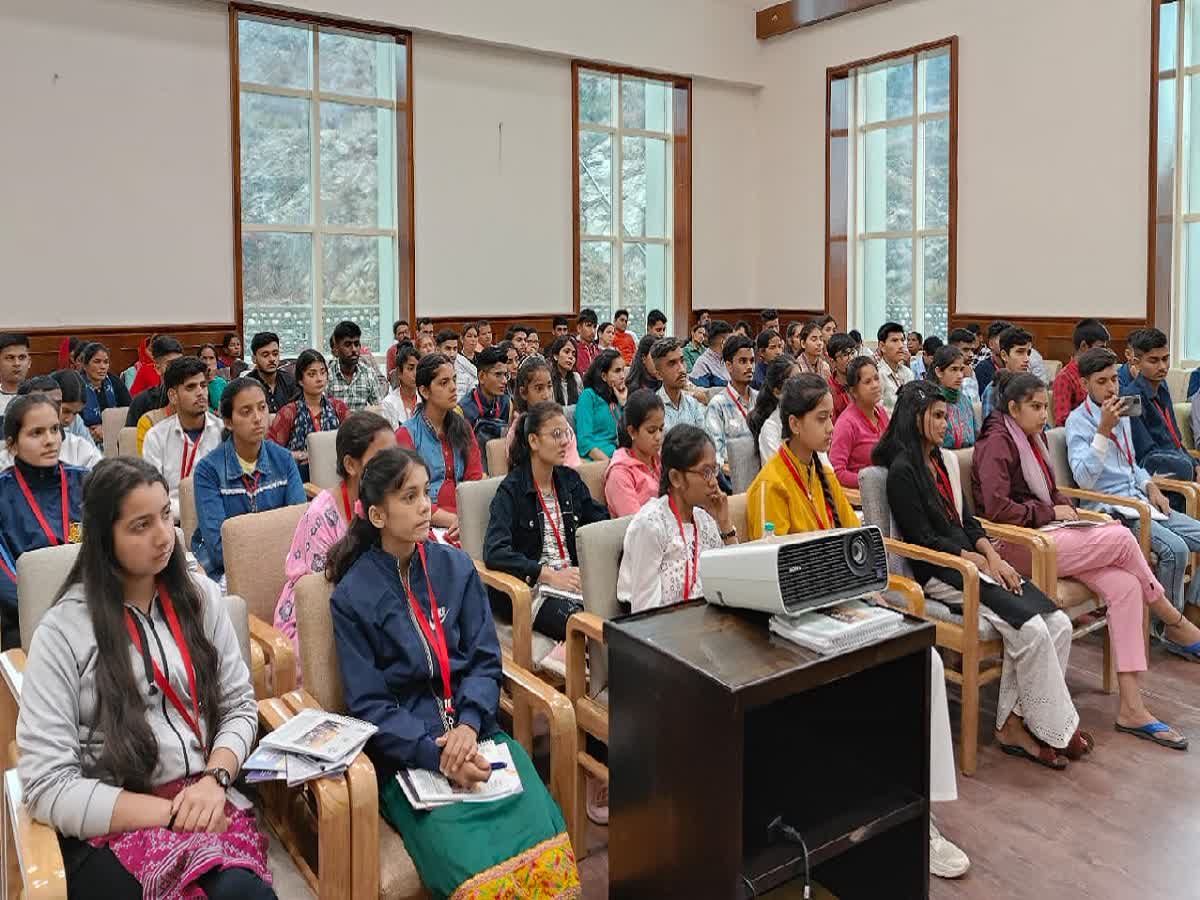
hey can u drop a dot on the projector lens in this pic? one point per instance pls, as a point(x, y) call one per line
point(858, 552)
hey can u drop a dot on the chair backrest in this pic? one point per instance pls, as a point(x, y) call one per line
point(497, 457)
point(966, 459)
point(188, 520)
point(737, 516)
point(322, 459)
point(600, 547)
point(318, 651)
point(112, 420)
point(1057, 439)
point(712, 392)
point(256, 546)
point(569, 412)
point(872, 487)
point(127, 442)
point(977, 409)
point(474, 512)
point(742, 454)
point(1177, 383)
point(592, 474)
point(1052, 368)
point(1183, 415)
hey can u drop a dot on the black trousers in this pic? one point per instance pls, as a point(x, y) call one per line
point(552, 616)
point(95, 873)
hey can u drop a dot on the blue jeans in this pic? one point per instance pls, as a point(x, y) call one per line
point(1175, 464)
point(1172, 541)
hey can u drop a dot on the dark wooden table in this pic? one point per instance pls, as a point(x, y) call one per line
point(718, 727)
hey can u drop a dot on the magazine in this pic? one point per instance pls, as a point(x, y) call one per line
point(837, 629)
point(321, 735)
point(429, 790)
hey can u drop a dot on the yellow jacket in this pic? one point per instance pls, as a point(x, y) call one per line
point(775, 497)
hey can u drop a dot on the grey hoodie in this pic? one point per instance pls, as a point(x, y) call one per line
point(58, 707)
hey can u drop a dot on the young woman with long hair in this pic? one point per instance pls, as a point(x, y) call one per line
point(40, 498)
point(1013, 481)
point(246, 474)
point(443, 439)
point(600, 404)
point(811, 356)
point(633, 475)
point(532, 386)
point(947, 371)
point(216, 384)
point(310, 412)
point(137, 711)
point(101, 389)
point(641, 372)
point(764, 418)
point(859, 427)
point(566, 382)
point(1035, 717)
point(419, 658)
point(324, 523)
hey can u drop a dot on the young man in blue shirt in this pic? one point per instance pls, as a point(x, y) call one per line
point(1157, 440)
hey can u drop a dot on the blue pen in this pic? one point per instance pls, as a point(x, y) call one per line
point(496, 766)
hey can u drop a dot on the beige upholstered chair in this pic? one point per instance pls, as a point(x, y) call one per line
point(127, 442)
point(112, 421)
point(1183, 415)
point(322, 459)
point(380, 864)
point(497, 457)
point(188, 520)
point(1052, 369)
point(569, 412)
point(592, 474)
point(1177, 383)
point(742, 455)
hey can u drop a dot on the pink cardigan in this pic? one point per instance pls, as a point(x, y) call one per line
point(853, 440)
point(629, 484)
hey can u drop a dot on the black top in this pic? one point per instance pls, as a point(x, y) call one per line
point(285, 389)
point(147, 401)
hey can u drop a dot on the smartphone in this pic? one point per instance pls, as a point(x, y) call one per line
point(1132, 407)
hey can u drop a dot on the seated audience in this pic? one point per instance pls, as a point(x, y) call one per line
point(465, 379)
point(231, 355)
point(484, 328)
point(313, 410)
point(923, 361)
point(793, 343)
point(728, 413)
point(40, 497)
point(1156, 439)
point(278, 386)
point(488, 406)
point(948, 372)
point(561, 327)
point(385, 570)
point(812, 350)
point(326, 519)
point(533, 343)
point(1069, 391)
point(468, 348)
point(606, 333)
point(641, 375)
point(859, 350)
point(964, 340)
point(426, 344)
point(600, 405)
point(139, 810)
point(1013, 483)
point(534, 515)
point(841, 351)
point(425, 326)
point(741, 328)
point(101, 390)
point(401, 402)
point(656, 324)
point(400, 334)
point(586, 347)
point(913, 343)
point(216, 384)
point(144, 361)
point(988, 358)
point(75, 450)
point(859, 428)
point(770, 320)
point(1193, 387)
point(632, 476)
point(624, 340)
point(532, 386)
point(354, 383)
point(829, 327)
point(768, 345)
point(1015, 345)
point(1129, 368)
point(518, 335)
point(1035, 717)
point(245, 474)
point(680, 406)
point(14, 366)
point(660, 564)
point(178, 442)
point(71, 384)
point(764, 417)
point(563, 378)
point(696, 346)
point(443, 439)
point(893, 373)
point(709, 369)
point(1100, 450)
point(164, 350)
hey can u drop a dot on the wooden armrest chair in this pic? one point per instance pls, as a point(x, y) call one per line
point(322, 460)
point(189, 521)
point(496, 457)
point(592, 473)
point(741, 453)
point(1183, 415)
point(127, 442)
point(112, 420)
point(380, 865)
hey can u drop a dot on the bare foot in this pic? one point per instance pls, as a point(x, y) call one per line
point(1014, 734)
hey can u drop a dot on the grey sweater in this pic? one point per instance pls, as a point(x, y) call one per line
point(58, 707)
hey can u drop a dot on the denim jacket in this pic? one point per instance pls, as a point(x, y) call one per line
point(1156, 433)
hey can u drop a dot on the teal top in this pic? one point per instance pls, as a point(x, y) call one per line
point(216, 388)
point(595, 424)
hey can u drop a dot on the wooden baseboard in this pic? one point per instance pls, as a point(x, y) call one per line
point(122, 340)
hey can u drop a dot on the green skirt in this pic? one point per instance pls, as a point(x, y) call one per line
point(512, 848)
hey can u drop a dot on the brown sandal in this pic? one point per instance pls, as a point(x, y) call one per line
point(1046, 756)
point(1080, 745)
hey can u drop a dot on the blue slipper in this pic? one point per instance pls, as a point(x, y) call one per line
point(1152, 731)
point(1189, 652)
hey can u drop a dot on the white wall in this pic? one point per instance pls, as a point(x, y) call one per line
point(1052, 156)
point(115, 195)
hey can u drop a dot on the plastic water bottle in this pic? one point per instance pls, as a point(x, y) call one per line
point(769, 532)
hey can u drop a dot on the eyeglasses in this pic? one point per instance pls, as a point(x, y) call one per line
point(558, 434)
point(708, 473)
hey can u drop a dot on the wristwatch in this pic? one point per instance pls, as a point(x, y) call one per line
point(220, 776)
point(726, 535)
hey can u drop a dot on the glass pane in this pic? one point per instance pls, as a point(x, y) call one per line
point(274, 54)
point(887, 282)
point(937, 281)
point(887, 91)
point(645, 186)
point(1166, 146)
point(277, 287)
point(645, 105)
point(1191, 144)
point(595, 278)
point(358, 164)
point(937, 81)
point(596, 91)
point(1168, 35)
point(887, 179)
point(839, 103)
point(358, 66)
point(595, 182)
point(839, 185)
point(1191, 49)
point(276, 173)
point(1190, 344)
point(354, 271)
point(1163, 274)
point(644, 280)
point(937, 174)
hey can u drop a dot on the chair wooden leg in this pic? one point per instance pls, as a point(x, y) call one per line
point(969, 734)
point(580, 825)
point(522, 721)
point(1110, 664)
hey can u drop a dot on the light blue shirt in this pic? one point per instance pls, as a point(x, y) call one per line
point(688, 412)
point(723, 420)
point(1100, 464)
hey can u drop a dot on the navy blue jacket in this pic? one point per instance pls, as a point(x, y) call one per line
point(389, 673)
point(1157, 450)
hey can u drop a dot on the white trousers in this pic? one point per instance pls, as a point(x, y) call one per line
point(943, 781)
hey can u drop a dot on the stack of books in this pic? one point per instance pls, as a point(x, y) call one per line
point(429, 790)
point(312, 744)
point(840, 628)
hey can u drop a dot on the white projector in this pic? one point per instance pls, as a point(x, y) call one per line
point(796, 572)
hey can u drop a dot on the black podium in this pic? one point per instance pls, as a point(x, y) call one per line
point(718, 728)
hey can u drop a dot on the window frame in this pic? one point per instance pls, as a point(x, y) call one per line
point(404, 305)
point(839, 277)
point(680, 242)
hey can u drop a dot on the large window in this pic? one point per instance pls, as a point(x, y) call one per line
point(632, 194)
point(1174, 285)
point(890, 224)
point(323, 178)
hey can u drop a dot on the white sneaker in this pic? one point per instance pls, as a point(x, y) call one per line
point(945, 859)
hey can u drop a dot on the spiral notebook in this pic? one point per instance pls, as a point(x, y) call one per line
point(838, 629)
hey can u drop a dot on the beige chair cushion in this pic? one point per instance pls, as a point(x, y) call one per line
point(712, 392)
point(1183, 415)
point(398, 878)
point(738, 517)
point(1052, 368)
point(188, 520)
point(965, 459)
point(1056, 438)
point(1177, 383)
point(497, 457)
point(40, 576)
point(600, 547)
point(286, 879)
point(111, 422)
point(592, 474)
point(569, 412)
point(742, 453)
point(256, 547)
point(322, 459)
point(474, 512)
point(127, 442)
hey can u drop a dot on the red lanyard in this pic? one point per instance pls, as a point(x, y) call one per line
point(958, 426)
point(192, 718)
point(1170, 425)
point(822, 524)
point(562, 551)
point(435, 636)
point(737, 403)
point(189, 460)
point(37, 510)
point(251, 485)
point(346, 501)
point(491, 413)
point(689, 574)
point(1112, 437)
point(946, 490)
